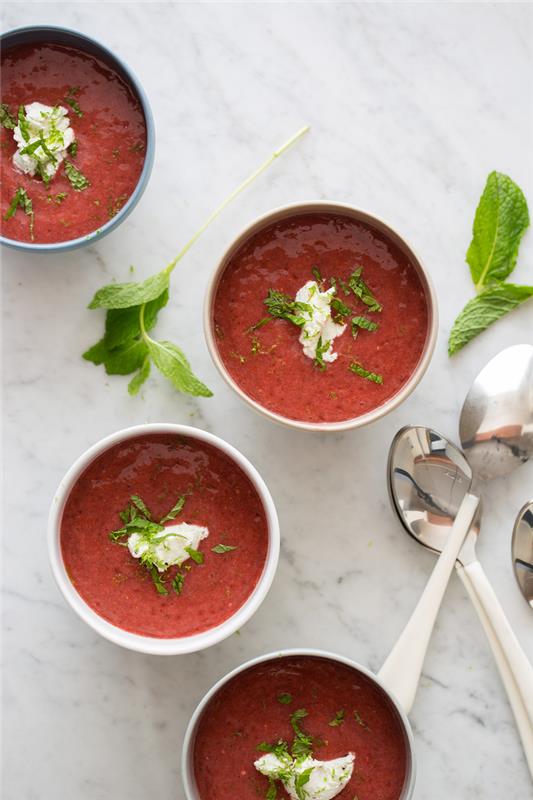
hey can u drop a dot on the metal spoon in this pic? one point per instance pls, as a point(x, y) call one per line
point(428, 479)
point(496, 425)
point(522, 550)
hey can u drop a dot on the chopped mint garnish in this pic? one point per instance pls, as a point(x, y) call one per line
point(177, 583)
point(340, 310)
point(141, 506)
point(300, 782)
point(174, 511)
point(302, 743)
point(23, 124)
point(21, 200)
point(338, 719)
point(77, 180)
point(321, 348)
point(285, 698)
point(316, 274)
point(359, 720)
point(362, 322)
point(73, 148)
point(196, 556)
point(223, 548)
point(281, 306)
point(158, 581)
point(365, 373)
point(6, 120)
point(362, 291)
point(72, 102)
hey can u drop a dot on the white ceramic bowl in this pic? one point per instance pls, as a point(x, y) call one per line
point(187, 764)
point(360, 216)
point(147, 644)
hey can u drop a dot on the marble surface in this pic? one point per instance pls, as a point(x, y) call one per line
point(411, 105)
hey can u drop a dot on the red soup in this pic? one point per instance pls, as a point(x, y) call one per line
point(266, 360)
point(346, 712)
point(160, 469)
point(109, 130)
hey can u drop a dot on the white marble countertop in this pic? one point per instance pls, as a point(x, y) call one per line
point(411, 106)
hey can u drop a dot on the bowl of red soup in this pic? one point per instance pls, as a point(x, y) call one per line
point(298, 724)
point(77, 139)
point(163, 538)
point(320, 316)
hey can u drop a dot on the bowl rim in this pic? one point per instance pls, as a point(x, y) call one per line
point(133, 199)
point(187, 769)
point(138, 642)
point(320, 206)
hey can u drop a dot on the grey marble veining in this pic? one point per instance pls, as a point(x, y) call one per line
point(411, 105)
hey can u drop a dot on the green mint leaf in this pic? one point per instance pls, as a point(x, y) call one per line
point(300, 782)
point(171, 361)
point(121, 360)
point(142, 375)
point(281, 306)
point(359, 720)
point(177, 583)
point(265, 747)
point(122, 324)
point(364, 323)
point(484, 309)
point(338, 719)
point(285, 698)
point(501, 219)
point(23, 124)
point(362, 291)
point(357, 369)
point(72, 149)
point(21, 200)
point(158, 581)
point(78, 181)
point(316, 274)
point(125, 295)
point(75, 106)
point(223, 548)
point(6, 120)
point(303, 743)
point(196, 556)
point(340, 310)
point(321, 348)
point(174, 511)
point(141, 506)
point(271, 792)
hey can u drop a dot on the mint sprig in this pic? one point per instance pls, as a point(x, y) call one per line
point(6, 120)
point(21, 200)
point(77, 179)
point(500, 222)
point(126, 346)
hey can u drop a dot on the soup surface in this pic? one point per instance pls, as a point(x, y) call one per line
point(247, 711)
point(159, 469)
point(110, 135)
point(267, 362)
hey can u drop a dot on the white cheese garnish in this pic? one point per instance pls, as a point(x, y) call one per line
point(326, 779)
point(318, 326)
point(167, 548)
point(51, 125)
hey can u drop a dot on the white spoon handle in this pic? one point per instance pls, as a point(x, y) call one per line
point(523, 722)
point(402, 669)
point(518, 662)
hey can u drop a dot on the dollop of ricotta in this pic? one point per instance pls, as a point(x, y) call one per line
point(325, 781)
point(46, 124)
point(167, 548)
point(318, 326)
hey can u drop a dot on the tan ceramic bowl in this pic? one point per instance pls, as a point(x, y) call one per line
point(360, 216)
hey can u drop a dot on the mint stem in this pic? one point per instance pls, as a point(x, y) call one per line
point(250, 179)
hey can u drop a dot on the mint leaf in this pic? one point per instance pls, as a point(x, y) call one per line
point(483, 310)
point(23, 124)
point(271, 791)
point(338, 719)
point(174, 511)
point(158, 581)
point(500, 221)
point(362, 322)
point(177, 583)
point(6, 120)
point(78, 181)
point(120, 360)
point(225, 548)
point(137, 381)
point(21, 200)
point(125, 295)
point(75, 106)
point(139, 503)
point(171, 361)
point(363, 291)
point(122, 324)
point(300, 782)
point(365, 373)
point(285, 698)
point(73, 148)
point(196, 556)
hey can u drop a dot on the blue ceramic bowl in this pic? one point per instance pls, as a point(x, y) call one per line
point(35, 34)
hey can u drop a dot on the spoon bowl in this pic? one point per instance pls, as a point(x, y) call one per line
point(522, 550)
point(496, 425)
